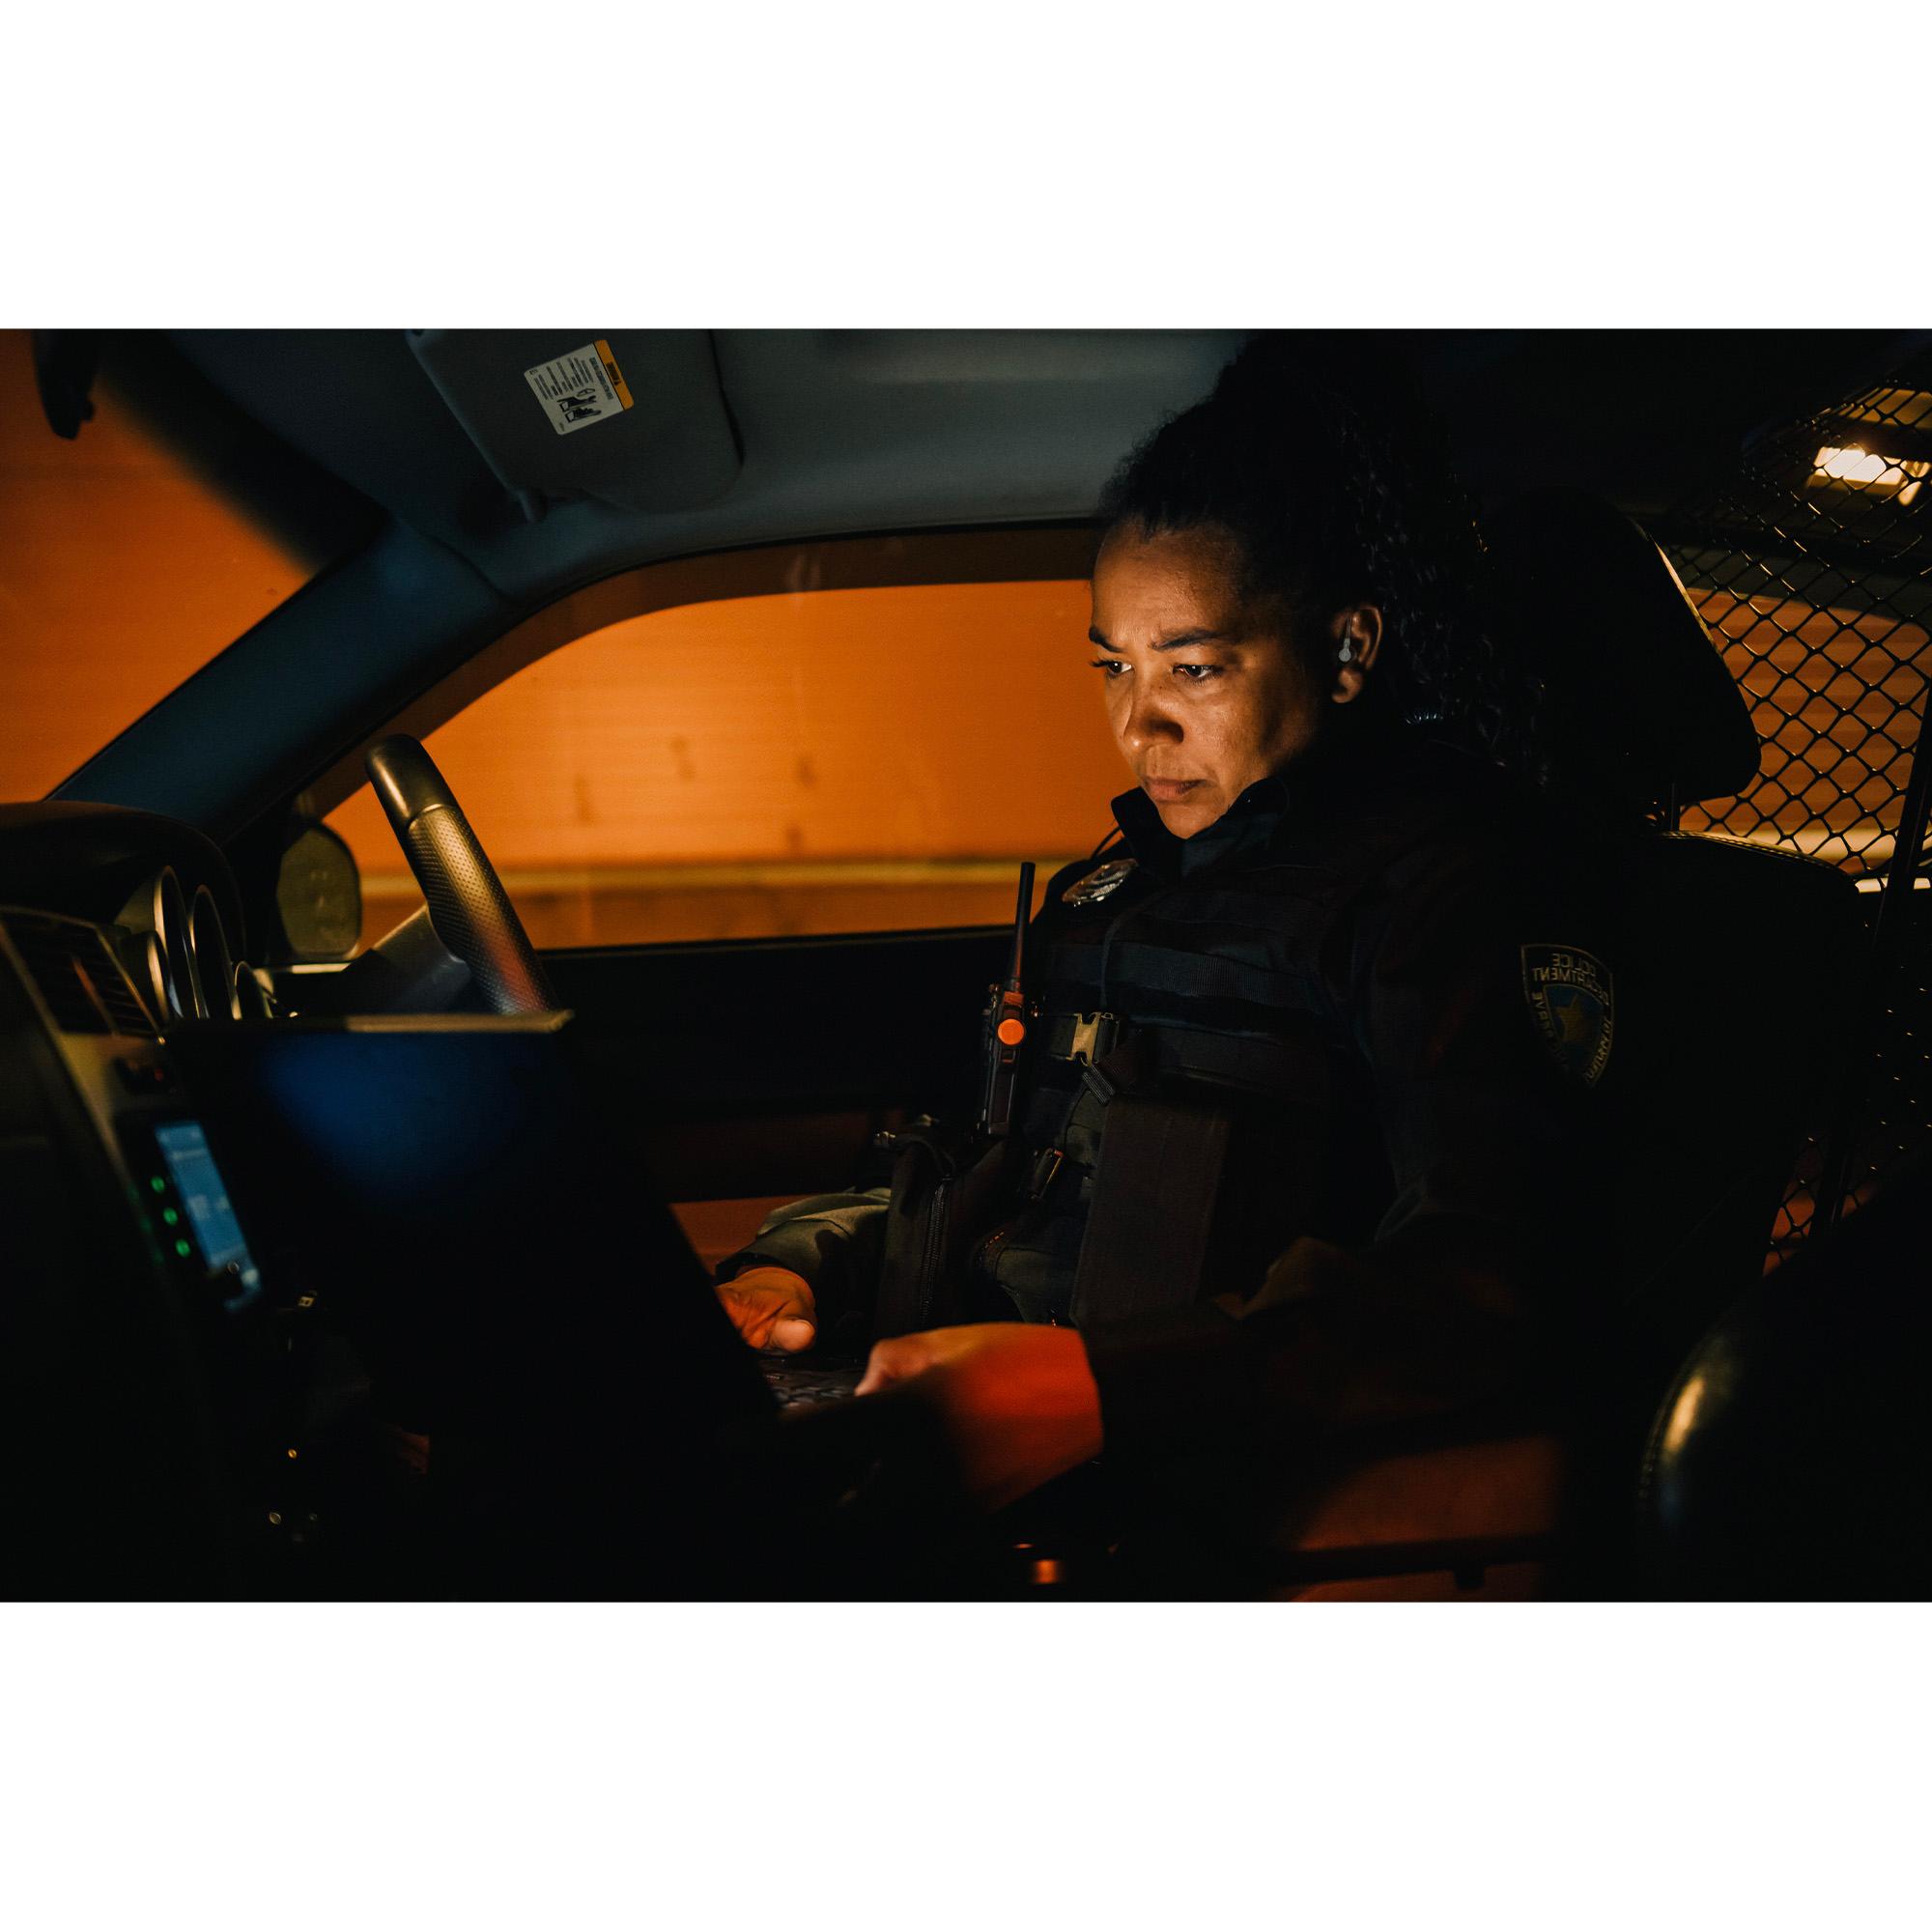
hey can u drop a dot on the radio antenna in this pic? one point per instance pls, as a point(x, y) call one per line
point(1006, 1023)
point(1021, 915)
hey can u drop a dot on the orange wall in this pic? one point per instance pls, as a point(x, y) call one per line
point(120, 574)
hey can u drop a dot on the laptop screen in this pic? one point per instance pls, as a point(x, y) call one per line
point(474, 1209)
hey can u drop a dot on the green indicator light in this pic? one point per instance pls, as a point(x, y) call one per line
point(183, 1249)
point(169, 1216)
point(159, 1185)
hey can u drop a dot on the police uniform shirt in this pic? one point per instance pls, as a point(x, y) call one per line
point(1381, 978)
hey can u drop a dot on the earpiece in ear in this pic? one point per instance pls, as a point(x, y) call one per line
point(1346, 653)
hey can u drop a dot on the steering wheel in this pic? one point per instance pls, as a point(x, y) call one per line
point(467, 906)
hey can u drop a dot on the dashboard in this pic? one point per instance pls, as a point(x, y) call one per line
point(161, 895)
point(249, 1248)
point(147, 1338)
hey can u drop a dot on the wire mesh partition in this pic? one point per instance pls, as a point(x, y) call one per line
point(1812, 564)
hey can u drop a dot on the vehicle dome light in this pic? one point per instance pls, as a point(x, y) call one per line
point(1866, 471)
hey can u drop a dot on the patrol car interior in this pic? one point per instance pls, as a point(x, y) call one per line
point(438, 1231)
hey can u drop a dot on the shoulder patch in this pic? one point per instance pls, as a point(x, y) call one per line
point(1573, 997)
point(1093, 886)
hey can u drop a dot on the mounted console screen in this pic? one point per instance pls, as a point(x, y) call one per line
point(203, 1194)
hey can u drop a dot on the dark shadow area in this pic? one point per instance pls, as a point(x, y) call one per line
point(1789, 1459)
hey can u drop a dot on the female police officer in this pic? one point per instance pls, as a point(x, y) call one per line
point(1301, 1146)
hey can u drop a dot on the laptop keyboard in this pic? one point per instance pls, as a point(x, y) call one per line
point(796, 1384)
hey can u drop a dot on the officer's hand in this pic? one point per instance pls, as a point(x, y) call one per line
point(771, 1308)
point(1018, 1401)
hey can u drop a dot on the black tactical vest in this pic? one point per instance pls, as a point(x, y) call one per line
point(1196, 1023)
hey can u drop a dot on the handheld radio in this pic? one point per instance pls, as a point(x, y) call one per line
point(1006, 1025)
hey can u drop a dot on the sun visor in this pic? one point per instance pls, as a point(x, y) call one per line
point(635, 418)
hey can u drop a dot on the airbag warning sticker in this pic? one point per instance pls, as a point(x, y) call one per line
point(581, 389)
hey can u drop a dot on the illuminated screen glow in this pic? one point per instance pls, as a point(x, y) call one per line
point(204, 1195)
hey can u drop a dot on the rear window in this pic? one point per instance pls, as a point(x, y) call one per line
point(1833, 694)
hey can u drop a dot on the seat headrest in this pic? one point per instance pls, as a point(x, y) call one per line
point(1639, 698)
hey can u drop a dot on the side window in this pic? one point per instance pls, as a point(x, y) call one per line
point(840, 760)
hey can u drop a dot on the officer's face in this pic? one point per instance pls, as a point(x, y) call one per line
point(1205, 695)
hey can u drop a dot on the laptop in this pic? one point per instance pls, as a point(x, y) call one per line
point(466, 1194)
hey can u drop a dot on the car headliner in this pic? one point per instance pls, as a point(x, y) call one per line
point(744, 437)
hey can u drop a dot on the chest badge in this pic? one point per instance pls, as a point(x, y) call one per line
point(1573, 997)
point(1091, 888)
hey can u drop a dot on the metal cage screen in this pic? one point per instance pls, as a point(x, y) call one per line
point(1811, 565)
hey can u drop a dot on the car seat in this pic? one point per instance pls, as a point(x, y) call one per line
point(1738, 962)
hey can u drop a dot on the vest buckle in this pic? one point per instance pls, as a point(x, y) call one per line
point(1084, 1044)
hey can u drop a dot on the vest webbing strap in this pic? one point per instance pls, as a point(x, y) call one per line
point(1278, 1064)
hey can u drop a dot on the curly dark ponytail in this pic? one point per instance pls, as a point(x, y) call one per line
point(1336, 486)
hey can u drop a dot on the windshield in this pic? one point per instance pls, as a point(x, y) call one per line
point(130, 555)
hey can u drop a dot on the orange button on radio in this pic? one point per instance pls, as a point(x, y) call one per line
point(1012, 1032)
